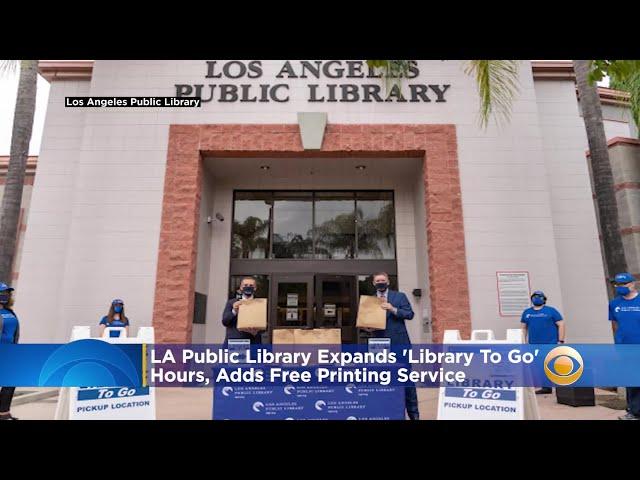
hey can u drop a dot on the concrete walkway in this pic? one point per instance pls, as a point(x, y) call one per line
point(196, 403)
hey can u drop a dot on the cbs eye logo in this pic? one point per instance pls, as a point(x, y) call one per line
point(563, 365)
point(89, 362)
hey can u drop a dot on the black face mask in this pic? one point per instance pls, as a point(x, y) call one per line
point(381, 286)
point(4, 298)
point(248, 290)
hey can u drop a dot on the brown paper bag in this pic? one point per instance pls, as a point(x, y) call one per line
point(370, 315)
point(253, 314)
point(283, 336)
point(317, 336)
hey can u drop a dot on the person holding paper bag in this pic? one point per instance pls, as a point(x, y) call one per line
point(398, 309)
point(230, 314)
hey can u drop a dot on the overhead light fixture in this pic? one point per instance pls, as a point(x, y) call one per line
point(361, 167)
point(264, 167)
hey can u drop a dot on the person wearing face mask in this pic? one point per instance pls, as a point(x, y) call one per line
point(230, 314)
point(542, 324)
point(9, 333)
point(398, 309)
point(115, 317)
point(624, 314)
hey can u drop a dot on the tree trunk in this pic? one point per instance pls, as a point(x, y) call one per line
point(20, 138)
point(601, 170)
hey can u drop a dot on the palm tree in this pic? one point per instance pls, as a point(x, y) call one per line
point(376, 232)
point(601, 169)
point(336, 236)
point(20, 139)
point(292, 245)
point(250, 236)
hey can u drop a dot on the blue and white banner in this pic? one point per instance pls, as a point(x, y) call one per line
point(288, 402)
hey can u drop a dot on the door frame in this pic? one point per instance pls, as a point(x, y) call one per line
point(242, 266)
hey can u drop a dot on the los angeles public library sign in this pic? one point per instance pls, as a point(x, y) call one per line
point(335, 86)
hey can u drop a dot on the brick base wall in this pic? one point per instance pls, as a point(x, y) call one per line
point(188, 144)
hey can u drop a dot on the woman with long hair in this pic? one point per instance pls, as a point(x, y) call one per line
point(115, 318)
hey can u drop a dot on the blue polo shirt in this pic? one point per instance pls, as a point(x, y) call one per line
point(627, 314)
point(9, 326)
point(541, 324)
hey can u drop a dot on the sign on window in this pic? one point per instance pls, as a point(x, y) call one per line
point(292, 299)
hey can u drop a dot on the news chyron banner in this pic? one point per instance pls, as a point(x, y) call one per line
point(91, 362)
point(426, 366)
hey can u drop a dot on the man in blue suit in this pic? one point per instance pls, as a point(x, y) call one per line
point(398, 310)
point(230, 314)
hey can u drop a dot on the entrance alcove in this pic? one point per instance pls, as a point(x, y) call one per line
point(312, 230)
point(204, 160)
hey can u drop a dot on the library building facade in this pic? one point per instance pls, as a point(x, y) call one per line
point(311, 176)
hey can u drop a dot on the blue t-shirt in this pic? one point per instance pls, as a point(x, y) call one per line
point(9, 326)
point(627, 314)
point(541, 324)
point(115, 323)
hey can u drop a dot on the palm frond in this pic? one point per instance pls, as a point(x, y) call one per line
point(634, 89)
point(624, 75)
point(629, 83)
point(498, 83)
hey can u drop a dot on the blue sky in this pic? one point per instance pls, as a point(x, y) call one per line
point(8, 91)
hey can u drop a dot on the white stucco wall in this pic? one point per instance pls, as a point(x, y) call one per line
point(614, 129)
point(617, 120)
point(423, 305)
point(583, 287)
point(204, 252)
point(46, 239)
point(97, 200)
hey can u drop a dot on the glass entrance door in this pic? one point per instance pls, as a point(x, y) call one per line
point(336, 303)
point(320, 301)
point(291, 302)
